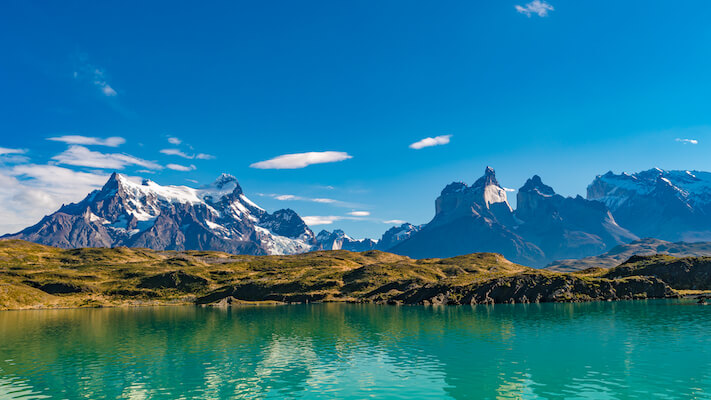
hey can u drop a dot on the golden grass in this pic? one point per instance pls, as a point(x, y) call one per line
point(112, 277)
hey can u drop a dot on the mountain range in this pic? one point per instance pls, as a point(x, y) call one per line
point(668, 205)
point(545, 226)
point(131, 213)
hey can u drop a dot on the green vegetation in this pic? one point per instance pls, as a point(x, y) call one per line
point(36, 276)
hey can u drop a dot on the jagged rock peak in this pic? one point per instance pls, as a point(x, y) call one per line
point(536, 184)
point(224, 179)
point(454, 187)
point(114, 181)
point(489, 178)
point(226, 183)
point(285, 214)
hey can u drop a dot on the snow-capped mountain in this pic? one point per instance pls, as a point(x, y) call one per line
point(668, 205)
point(338, 240)
point(397, 234)
point(140, 213)
point(545, 226)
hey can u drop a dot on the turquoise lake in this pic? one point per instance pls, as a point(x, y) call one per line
point(645, 349)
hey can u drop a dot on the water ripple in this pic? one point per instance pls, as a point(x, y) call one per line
point(625, 350)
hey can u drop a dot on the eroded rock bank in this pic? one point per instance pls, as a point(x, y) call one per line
point(523, 288)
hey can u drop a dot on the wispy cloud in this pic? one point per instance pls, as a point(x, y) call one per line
point(321, 200)
point(359, 213)
point(176, 152)
point(536, 7)
point(687, 141)
point(329, 219)
point(174, 140)
point(183, 168)
point(394, 222)
point(96, 76)
point(113, 141)
point(31, 191)
point(431, 141)
point(313, 220)
point(179, 153)
point(83, 157)
point(302, 160)
point(287, 197)
point(5, 150)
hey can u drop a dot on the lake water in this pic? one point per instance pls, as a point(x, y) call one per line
point(645, 349)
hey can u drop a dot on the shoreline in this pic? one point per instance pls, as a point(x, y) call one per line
point(690, 297)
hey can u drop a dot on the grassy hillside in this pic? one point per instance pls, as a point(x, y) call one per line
point(36, 276)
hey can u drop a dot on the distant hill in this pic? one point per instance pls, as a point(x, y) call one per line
point(622, 253)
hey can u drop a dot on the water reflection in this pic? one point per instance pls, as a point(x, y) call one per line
point(594, 350)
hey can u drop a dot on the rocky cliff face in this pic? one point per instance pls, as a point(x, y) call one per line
point(471, 219)
point(537, 288)
point(566, 227)
point(545, 226)
point(127, 212)
point(668, 205)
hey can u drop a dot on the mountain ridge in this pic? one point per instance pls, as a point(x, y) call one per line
point(545, 226)
point(125, 212)
point(544, 229)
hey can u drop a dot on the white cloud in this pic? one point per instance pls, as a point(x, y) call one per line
point(108, 90)
point(359, 213)
point(687, 141)
point(301, 160)
point(179, 153)
point(97, 77)
point(431, 141)
point(537, 7)
point(113, 141)
point(329, 219)
point(321, 200)
point(287, 197)
point(312, 220)
point(32, 191)
point(174, 140)
point(5, 150)
point(176, 152)
point(83, 157)
point(394, 221)
point(93, 74)
point(183, 168)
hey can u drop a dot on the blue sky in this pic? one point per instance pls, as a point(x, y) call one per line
point(564, 89)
